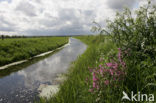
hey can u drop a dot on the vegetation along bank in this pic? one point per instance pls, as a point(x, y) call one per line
point(15, 49)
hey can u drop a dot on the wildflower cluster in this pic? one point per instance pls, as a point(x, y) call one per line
point(107, 74)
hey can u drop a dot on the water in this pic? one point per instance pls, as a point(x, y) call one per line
point(22, 86)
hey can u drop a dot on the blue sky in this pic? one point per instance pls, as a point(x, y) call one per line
point(58, 17)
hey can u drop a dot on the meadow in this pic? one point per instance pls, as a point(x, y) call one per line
point(121, 62)
point(15, 49)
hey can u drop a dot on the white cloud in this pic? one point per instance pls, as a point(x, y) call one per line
point(57, 17)
point(26, 8)
point(119, 4)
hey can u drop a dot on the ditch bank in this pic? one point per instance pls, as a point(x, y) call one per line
point(39, 55)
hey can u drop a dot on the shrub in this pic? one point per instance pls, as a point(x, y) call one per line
point(137, 33)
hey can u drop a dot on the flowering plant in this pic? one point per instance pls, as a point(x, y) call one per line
point(107, 74)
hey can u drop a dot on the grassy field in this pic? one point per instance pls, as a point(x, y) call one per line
point(15, 49)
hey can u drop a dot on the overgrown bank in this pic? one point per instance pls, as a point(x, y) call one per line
point(12, 50)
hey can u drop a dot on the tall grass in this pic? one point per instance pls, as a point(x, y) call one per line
point(12, 50)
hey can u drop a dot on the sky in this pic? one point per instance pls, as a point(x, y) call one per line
point(58, 17)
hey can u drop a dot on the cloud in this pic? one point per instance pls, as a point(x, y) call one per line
point(57, 17)
point(5, 22)
point(119, 4)
point(5, 25)
point(64, 28)
point(5, 0)
point(26, 8)
point(9, 29)
point(68, 22)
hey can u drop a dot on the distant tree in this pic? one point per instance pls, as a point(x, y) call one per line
point(2, 37)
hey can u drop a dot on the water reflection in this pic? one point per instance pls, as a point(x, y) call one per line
point(24, 83)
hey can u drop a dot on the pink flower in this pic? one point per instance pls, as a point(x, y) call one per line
point(111, 72)
point(109, 64)
point(100, 66)
point(100, 70)
point(94, 84)
point(94, 77)
point(106, 70)
point(115, 66)
point(106, 82)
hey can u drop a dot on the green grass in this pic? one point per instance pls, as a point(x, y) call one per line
point(15, 49)
point(74, 89)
